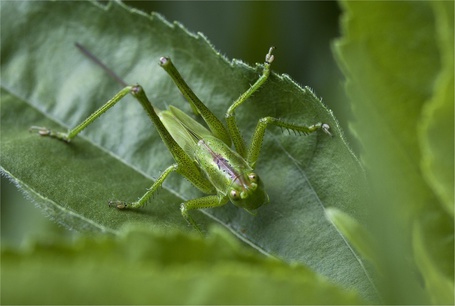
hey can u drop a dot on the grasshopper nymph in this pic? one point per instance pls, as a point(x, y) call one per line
point(203, 155)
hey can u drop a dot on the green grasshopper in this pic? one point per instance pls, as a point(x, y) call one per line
point(203, 155)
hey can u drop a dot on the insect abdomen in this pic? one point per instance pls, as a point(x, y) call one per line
point(222, 166)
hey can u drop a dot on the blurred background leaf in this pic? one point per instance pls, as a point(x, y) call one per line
point(143, 267)
point(398, 61)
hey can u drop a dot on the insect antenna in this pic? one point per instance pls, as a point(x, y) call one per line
point(97, 61)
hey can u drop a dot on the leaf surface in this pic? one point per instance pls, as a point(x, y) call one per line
point(46, 81)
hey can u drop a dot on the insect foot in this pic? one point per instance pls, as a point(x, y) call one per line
point(43, 131)
point(40, 130)
point(164, 61)
point(118, 204)
point(269, 57)
point(325, 127)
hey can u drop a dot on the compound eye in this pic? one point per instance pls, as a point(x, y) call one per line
point(234, 195)
point(253, 177)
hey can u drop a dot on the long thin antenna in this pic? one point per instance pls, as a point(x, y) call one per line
point(97, 61)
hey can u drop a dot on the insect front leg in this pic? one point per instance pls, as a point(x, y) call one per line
point(258, 136)
point(204, 202)
point(234, 131)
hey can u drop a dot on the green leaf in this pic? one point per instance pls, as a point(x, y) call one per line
point(398, 61)
point(433, 248)
point(437, 129)
point(433, 233)
point(390, 77)
point(46, 81)
point(355, 233)
point(143, 267)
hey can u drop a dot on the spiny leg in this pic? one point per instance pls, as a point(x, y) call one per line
point(258, 136)
point(204, 202)
point(234, 131)
point(143, 200)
